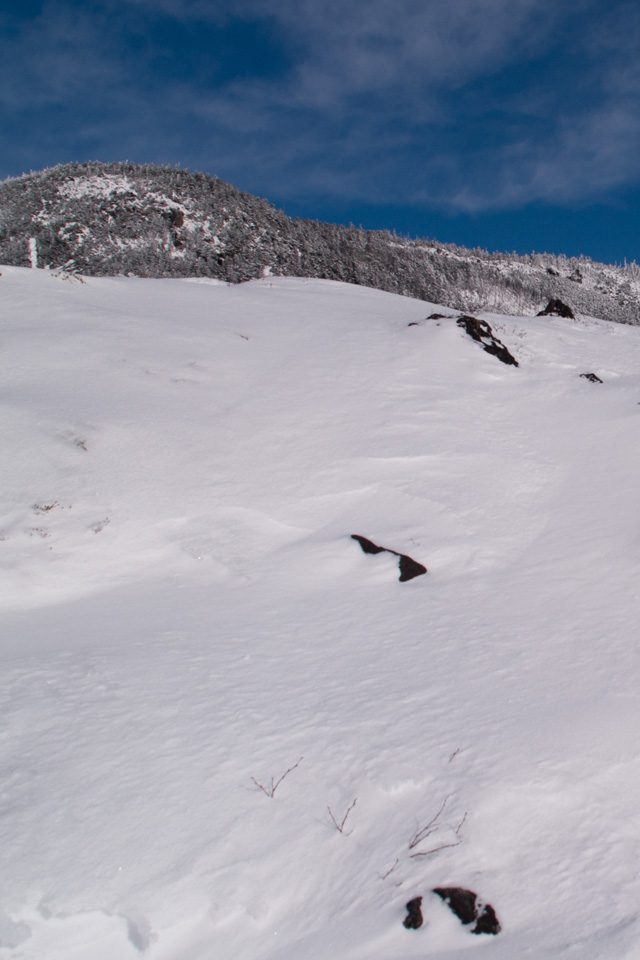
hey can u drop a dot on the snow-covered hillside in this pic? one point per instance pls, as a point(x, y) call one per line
point(185, 617)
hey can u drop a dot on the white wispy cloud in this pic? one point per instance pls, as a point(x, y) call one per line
point(470, 105)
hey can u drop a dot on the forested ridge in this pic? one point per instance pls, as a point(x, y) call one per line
point(101, 219)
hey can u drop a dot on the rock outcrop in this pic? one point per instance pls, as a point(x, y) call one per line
point(408, 568)
point(469, 909)
point(556, 308)
point(481, 332)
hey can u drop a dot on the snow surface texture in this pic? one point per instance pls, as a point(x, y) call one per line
point(185, 617)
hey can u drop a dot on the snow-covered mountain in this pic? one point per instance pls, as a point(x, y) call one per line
point(123, 219)
point(227, 729)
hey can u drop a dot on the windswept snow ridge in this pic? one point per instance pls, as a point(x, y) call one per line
point(186, 622)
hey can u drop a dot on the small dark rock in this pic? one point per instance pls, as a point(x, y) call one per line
point(408, 568)
point(554, 273)
point(414, 919)
point(367, 545)
point(557, 308)
point(461, 902)
point(436, 316)
point(414, 324)
point(480, 331)
point(477, 329)
point(174, 217)
point(592, 377)
point(487, 921)
point(468, 908)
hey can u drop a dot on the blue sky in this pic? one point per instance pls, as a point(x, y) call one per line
point(506, 124)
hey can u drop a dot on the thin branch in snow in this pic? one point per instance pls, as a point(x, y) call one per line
point(422, 833)
point(383, 876)
point(340, 826)
point(271, 788)
point(443, 846)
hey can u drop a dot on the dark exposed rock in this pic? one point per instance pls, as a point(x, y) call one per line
point(480, 331)
point(436, 316)
point(408, 568)
point(367, 545)
point(591, 377)
point(487, 921)
point(468, 908)
point(414, 919)
point(174, 217)
point(461, 902)
point(414, 324)
point(557, 308)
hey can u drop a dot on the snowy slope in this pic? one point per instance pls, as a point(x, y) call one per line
point(183, 610)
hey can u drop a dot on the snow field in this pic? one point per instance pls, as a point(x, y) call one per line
point(183, 610)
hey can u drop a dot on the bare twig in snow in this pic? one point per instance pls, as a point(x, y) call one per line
point(425, 831)
point(340, 826)
point(271, 788)
point(443, 846)
point(383, 876)
point(460, 825)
